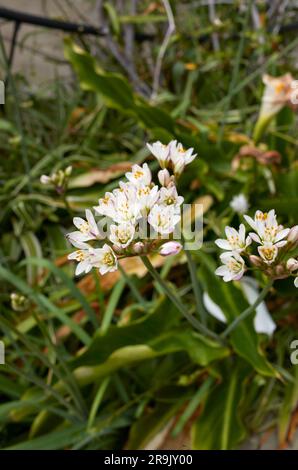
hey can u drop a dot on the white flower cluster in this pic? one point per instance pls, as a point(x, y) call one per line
point(135, 202)
point(274, 242)
point(58, 180)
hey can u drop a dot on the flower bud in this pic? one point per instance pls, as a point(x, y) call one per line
point(292, 265)
point(293, 234)
point(44, 179)
point(68, 170)
point(170, 248)
point(256, 261)
point(138, 248)
point(280, 271)
point(164, 177)
point(19, 303)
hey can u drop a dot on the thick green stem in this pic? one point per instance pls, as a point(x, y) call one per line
point(177, 302)
point(248, 311)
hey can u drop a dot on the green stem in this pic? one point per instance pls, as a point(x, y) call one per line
point(132, 286)
point(67, 205)
point(248, 311)
point(196, 287)
point(177, 302)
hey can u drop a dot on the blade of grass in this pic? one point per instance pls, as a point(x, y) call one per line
point(113, 302)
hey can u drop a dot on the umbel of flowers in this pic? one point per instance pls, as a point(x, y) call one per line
point(268, 248)
point(138, 201)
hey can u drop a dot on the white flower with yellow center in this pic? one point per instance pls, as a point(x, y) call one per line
point(180, 157)
point(268, 252)
point(106, 205)
point(126, 207)
point(146, 198)
point(233, 267)
point(163, 218)
point(236, 241)
point(140, 175)
point(86, 256)
point(267, 228)
point(122, 235)
point(277, 94)
point(161, 153)
point(169, 197)
point(87, 229)
point(106, 259)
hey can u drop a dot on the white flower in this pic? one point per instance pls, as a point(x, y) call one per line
point(88, 229)
point(86, 256)
point(293, 234)
point(239, 204)
point(268, 252)
point(126, 206)
point(292, 264)
point(161, 152)
point(122, 235)
point(106, 205)
point(278, 92)
point(146, 198)
point(163, 218)
point(180, 157)
point(267, 228)
point(169, 196)
point(296, 282)
point(120, 205)
point(170, 248)
point(235, 241)
point(140, 175)
point(106, 259)
point(164, 177)
point(233, 267)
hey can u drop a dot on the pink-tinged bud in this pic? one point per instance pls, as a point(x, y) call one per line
point(293, 234)
point(138, 248)
point(170, 248)
point(164, 177)
point(292, 265)
point(256, 261)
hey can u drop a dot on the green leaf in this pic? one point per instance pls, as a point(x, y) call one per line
point(157, 333)
point(288, 407)
point(32, 248)
point(45, 304)
point(219, 426)
point(150, 424)
point(113, 17)
point(153, 117)
point(115, 91)
point(67, 281)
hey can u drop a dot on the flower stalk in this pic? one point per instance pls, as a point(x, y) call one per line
point(247, 311)
point(177, 302)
